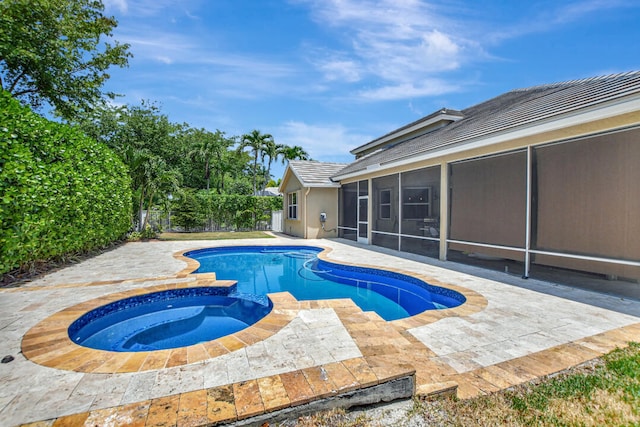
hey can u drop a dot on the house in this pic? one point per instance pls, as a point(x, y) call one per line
point(545, 176)
point(309, 192)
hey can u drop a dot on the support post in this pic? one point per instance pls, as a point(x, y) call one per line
point(444, 209)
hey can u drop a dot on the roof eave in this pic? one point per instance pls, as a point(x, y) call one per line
point(442, 116)
point(610, 109)
point(332, 185)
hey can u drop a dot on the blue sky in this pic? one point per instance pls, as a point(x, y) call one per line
point(330, 75)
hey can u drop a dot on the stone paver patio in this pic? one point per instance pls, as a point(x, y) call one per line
point(509, 331)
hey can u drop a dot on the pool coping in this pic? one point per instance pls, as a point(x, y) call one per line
point(382, 355)
point(48, 343)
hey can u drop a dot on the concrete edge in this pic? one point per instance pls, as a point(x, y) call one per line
point(399, 388)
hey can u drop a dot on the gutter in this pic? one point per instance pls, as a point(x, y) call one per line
point(582, 117)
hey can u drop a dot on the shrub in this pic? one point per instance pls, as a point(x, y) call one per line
point(239, 211)
point(60, 191)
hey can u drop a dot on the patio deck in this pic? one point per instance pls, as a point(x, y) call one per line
point(304, 356)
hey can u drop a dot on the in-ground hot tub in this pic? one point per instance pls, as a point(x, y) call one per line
point(167, 319)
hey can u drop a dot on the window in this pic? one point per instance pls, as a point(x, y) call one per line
point(416, 203)
point(292, 205)
point(385, 204)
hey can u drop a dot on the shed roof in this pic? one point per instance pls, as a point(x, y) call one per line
point(269, 191)
point(315, 174)
point(504, 113)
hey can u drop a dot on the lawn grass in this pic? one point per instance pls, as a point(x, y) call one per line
point(216, 235)
point(603, 392)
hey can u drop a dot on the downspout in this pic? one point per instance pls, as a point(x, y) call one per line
point(306, 193)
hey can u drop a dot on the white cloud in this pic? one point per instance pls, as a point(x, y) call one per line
point(537, 19)
point(157, 45)
point(575, 11)
point(341, 69)
point(228, 74)
point(142, 7)
point(396, 42)
point(428, 87)
point(153, 7)
point(440, 45)
point(401, 46)
point(120, 5)
point(327, 142)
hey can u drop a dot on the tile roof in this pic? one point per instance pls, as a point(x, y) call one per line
point(506, 112)
point(269, 191)
point(315, 174)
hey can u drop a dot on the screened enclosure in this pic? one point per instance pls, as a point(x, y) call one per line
point(406, 211)
point(583, 201)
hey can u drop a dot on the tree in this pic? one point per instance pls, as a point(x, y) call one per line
point(54, 51)
point(272, 151)
point(294, 153)
point(231, 164)
point(210, 148)
point(188, 211)
point(145, 140)
point(62, 192)
point(159, 179)
point(256, 141)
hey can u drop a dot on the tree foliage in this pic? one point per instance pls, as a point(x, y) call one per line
point(61, 192)
point(165, 159)
point(54, 51)
point(294, 153)
point(210, 148)
point(196, 209)
point(145, 140)
point(257, 142)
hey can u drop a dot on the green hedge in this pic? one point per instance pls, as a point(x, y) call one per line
point(60, 191)
point(195, 209)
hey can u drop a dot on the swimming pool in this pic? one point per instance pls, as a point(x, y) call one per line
point(260, 270)
point(187, 316)
point(166, 319)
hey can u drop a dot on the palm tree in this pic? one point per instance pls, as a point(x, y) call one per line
point(149, 174)
point(161, 178)
point(256, 141)
point(272, 151)
point(207, 147)
point(137, 160)
point(294, 153)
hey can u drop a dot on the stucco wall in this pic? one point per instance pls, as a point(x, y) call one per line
point(322, 200)
point(311, 202)
point(293, 227)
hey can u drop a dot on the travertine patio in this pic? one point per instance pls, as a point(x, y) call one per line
point(509, 331)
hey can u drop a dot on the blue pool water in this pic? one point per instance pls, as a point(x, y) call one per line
point(182, 317)
point(167, 319)
point(260, 270)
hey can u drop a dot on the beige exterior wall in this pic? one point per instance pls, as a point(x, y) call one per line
point(311, 202)
point(293, 227)
point(322, 200)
